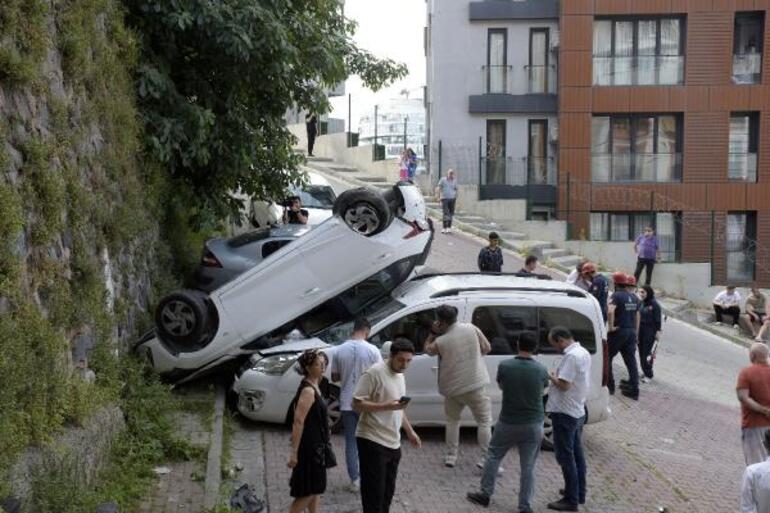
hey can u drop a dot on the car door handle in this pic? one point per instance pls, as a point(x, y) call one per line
point(310, 292)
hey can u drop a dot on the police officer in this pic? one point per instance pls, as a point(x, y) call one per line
point(598, 285)
point(622, 326)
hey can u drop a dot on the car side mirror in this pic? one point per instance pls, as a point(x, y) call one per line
point(385, 350)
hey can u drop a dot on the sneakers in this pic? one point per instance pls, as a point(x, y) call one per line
point(562, 505)
point(632, 394)
point(718, 323)
point(450, 461)
point(355, 486)
point(479, 498)
point(736, 327)
point(563, 493)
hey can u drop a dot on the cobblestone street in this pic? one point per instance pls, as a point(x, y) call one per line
point(678, 447)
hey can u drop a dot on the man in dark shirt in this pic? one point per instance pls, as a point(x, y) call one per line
point(522, 380)
point(598, 286)
point(311, 126)
point(622, 326)
point(491, 257)
point(295, 214)
point(530, 264)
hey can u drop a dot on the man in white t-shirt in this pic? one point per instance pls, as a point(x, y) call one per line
point(349, 362)
point(462, 378)
point(379, 399)
point(566, 404)
point(728, 302)
point(755, 493)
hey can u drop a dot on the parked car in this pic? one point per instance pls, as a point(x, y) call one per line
point(317, 197)
point(224, 259)
point(502, 306)
point(330, 275)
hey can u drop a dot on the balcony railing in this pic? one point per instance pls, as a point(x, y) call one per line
point(742, 167)
point(747, 68)
point(639, 70)
point(540, 79)
point(636, 167)
point(497, 79)
point(519, 171)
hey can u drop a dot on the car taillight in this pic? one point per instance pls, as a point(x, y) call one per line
point(416, 230)
point(605, 363)
point(209, 260)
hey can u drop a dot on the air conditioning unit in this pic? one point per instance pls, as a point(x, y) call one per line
point(555, 39)
point(553, 134)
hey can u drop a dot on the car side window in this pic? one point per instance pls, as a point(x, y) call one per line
point(271, 246)
point(503, 324)
point(581, 327)
point(415, 326)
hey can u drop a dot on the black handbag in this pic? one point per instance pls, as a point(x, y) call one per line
point(330, 459)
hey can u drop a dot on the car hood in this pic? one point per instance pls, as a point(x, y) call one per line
point(296, 346)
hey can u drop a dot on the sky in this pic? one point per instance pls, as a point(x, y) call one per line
point(389, 29)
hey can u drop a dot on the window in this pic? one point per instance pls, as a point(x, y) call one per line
point(636, 148)
point(502, 325)
point(626, 226)
point(539, 77)
point(415, 326)
point(497, 72)
point(744, 138)
point(271, 246)
point(638, 51)
point(581, 327)
point(748, 36)
point(741, 246)
point(495, 161)
point(538, 152)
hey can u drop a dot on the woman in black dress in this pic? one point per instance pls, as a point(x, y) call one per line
point(649, 328)
point(310, 436)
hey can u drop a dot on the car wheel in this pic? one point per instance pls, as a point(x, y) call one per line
point(183, 317)
point(364, 211)
point(332, 397)
point(547, 442)
point(395, 200)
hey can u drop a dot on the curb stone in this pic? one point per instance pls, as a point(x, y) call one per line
point(214, 460)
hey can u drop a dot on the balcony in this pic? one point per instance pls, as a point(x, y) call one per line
point(495, 10)
point(509, 90)
point(639, 70)
point(636, 167)
point(747, 68)
point(532, 178)
point(742, 167)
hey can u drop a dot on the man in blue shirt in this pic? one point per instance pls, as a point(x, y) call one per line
point(522, 380)
point(446, 190)
point(648, 250)
point(491, 257)
point(623, 325)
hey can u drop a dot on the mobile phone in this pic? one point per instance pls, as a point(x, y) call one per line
point(404, 399)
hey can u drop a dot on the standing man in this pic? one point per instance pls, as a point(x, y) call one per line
point(530, 264)
point(623, 321)
point(446, 190)
point(647, 250)
point(728, 302)
point(522, 380)
point(756, 313)
point(311, 125)
point(597, 286)
point(462, 378)
point(755, 493)
point(379, 399)
point(491, 257)
point(350, 361)
point(753, 390)
point(566, 404)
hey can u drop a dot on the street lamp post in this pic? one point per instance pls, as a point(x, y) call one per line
point(406, 119)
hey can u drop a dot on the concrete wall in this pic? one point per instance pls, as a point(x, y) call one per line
point(457, 52)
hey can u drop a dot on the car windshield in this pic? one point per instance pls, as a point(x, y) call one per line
point(375, 313)
point(248, 238)
point(315, 196)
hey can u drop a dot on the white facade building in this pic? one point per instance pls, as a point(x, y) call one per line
point(390, 127)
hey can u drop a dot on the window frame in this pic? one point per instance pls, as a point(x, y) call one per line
point(750, 233)
point(754, 127)
point(677, 216)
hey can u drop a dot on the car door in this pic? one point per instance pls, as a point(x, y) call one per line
point(502, 321)
point(427, 405)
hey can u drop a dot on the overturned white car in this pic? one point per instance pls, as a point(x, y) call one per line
point(337, 271)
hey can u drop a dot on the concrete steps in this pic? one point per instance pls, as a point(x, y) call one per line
point(551, 253)
point(511, 236)
point(529, 247)
point(566, 263)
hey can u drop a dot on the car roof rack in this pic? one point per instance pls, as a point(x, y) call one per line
point(459, 290)
point(517, 274)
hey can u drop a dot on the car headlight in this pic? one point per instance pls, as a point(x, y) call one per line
point(277, 364)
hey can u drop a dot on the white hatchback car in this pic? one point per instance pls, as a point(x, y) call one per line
point(502, 306)
point(330, 275)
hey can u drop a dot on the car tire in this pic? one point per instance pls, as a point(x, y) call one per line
point(395, 200)
point(547, 443)
point(364, 211)
point(183, 318)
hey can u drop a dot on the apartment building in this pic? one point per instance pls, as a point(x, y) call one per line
point(663, 116)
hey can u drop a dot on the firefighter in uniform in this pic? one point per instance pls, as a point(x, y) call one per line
point(598, 286)
point(622, 326)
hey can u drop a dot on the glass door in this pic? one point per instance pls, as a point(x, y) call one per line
point(538, 151)
point(538, 60)
point(497, 61)
point(495, 151)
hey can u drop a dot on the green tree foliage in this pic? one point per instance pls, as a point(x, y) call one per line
point(216, 78)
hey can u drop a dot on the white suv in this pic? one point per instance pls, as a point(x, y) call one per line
point(502, 306)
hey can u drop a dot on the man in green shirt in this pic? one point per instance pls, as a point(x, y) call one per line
point(522, 380)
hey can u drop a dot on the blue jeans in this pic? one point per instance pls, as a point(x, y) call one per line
point(568, 448)
point(525, 437)
point(349, 424)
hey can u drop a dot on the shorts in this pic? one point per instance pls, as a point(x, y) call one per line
point(759, 318)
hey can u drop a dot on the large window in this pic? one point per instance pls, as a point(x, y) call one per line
point(497, 70)
point(741, 236)
point(748, 36)
point(636, 148)
point(638, 51)
point(415, 326)
point(626, 226)
point(495, 161)
point(744, 138)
